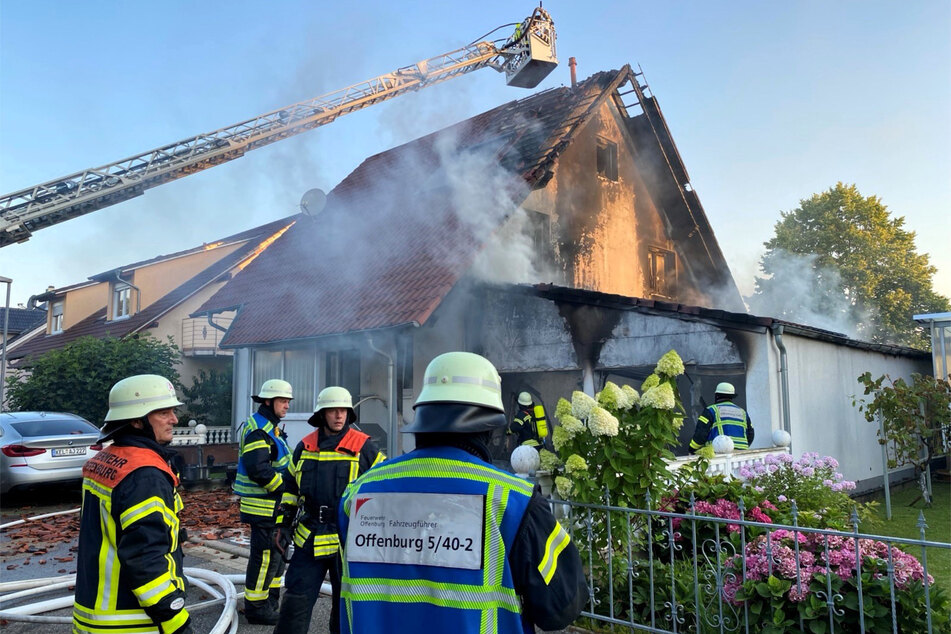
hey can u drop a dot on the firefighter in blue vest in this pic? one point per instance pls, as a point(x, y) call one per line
point(129, 571)
point(264, 483)
point(325, 462)
point(725, 418)
point(530, 424)
point(440, 540)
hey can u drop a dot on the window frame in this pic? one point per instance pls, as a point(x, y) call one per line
point(117, 290)
point(606, 159)
point(669, 259)
point(57, 318)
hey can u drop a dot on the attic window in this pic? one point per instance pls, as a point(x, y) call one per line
point(607, 159)
point(56, 317)
point(121, 304)
point(661, 271)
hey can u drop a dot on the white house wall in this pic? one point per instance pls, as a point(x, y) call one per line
point(822, 381)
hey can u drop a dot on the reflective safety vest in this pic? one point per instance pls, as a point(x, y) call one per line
point(321, 478)
point(260, 500)
point(729, 420)
point(111, 596)
point(469, 590)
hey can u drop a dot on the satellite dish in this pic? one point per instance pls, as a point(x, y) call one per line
point(313, 201)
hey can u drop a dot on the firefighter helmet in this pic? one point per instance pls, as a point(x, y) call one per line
point(331, 397)
point(464, 380)
point(273, 388)
point(726, 389)
point(134, 398)
point(524, 398)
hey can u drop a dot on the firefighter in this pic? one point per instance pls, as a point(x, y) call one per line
point(440, 540)
point(264, 482)
point(724, 417)
point(325, 461)
point(530, 425)
point(129, 575)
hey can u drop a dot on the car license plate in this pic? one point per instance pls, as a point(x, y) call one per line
point(69, 451)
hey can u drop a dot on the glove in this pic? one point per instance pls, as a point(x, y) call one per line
point(283, 538)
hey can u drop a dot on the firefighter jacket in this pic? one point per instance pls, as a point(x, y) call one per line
point(129, 572)
point(263, 480)
point(723, 418)
point(324, 465)
point(530, 425)
point(439, 540)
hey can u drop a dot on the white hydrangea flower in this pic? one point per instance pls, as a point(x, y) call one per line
point(602, 422)
point(632, 396)
point(548, 460)
point(582, 404)
point(670, 365)
point(564, 487)
point(612, 397)
point(559, 437)
point(572, 425)
point(651, 381)
point(659, 397)
point(575, 464)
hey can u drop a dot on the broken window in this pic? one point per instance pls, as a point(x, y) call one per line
point(56, 317)
point(539, 228)
point(661, 271)
point(607, 159)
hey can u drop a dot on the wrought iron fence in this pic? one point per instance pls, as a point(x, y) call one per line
point(660, 571)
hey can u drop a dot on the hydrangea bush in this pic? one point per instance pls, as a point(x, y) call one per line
point(782, 589)
point(615, 443)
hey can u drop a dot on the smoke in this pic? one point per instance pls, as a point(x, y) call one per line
point(797, 289)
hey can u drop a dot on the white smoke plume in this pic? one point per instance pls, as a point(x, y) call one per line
point(798, 290)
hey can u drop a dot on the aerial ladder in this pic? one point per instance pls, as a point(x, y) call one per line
point(526, 58)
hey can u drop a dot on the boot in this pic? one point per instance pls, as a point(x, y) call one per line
point(295, 614)
point(274, 599)
point(259, 612)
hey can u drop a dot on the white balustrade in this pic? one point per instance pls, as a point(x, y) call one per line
point(730, 463)
point(201, 435)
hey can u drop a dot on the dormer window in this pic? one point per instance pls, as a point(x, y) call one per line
point(121, 301)
point(56, 317)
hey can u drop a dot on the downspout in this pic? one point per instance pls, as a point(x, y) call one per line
point(391, 377)
point(783, 376)
point(138, 292)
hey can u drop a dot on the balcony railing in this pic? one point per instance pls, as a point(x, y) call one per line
point(200, 339)
point(201, 435)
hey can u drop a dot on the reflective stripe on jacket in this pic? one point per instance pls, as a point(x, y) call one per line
point(129, 570)
point(723, 418)
point(263, 462)
point(455, 599)
point(323, 467)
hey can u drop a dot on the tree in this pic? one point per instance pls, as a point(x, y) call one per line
point(857, 262)
point(77, 377)
point(915, 418)
point(208, 400)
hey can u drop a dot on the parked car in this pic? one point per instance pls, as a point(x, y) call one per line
point(44, 447)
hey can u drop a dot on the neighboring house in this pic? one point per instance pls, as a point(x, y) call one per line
point(154, 296)
point(446, 242)
point(22, 325)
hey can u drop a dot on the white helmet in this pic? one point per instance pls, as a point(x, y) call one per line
point(134, 398)
point(330, 397)
point(274, 388)
point(726, 389)
point(524, 398)
point(460, 379)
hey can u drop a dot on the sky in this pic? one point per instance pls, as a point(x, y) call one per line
point(767, 102)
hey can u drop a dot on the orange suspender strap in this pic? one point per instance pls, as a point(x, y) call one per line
point(352, 442)
point(111, 465)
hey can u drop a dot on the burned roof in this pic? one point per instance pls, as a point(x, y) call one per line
point(400, 230)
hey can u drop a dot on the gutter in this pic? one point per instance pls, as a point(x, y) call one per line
point(777, 330)
point(391, 406)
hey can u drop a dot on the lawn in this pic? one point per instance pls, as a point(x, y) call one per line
point(904, 523)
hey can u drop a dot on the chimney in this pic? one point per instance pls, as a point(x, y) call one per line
point(572, 64)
